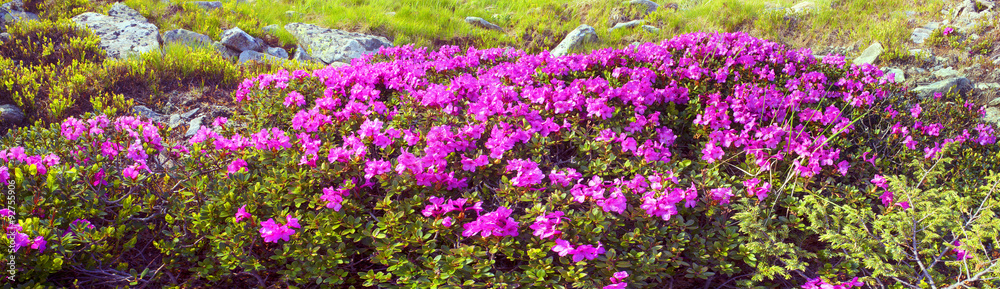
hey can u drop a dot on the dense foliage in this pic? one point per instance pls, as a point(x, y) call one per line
point(715, 160)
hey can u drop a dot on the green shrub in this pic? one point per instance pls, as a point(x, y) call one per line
point(706, 160)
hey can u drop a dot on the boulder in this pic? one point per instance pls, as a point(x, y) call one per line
point(144, 111)
point(193, 126)
point(628, 25)
point(226, 52)
point(207, 5)
point(992, 115)
point(240, 41)
point(898, 76)
point(11, 114)
point(123, 32)
point(960, 84)
point(651, 29)
point(15, 5)
point(921, 34)
point(277, 52)
point(966, 14)
point(575, 39)
point(12, 17)
point(331, 45)
point(804, 6)
point(947, 72)
point(481, 23)
point(649, 6)
point(190, 113)
point(258, 57)
point(122, 11)
point(175, 121)
point(272, 29)
point(187, 37)
point(870, 54)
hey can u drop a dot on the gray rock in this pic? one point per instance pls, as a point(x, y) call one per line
point(273, 28)
point(575, 39)
point(144, 111)
point(277, 52)
point(123, 32)
point(302, 55)
point(988, 86)
point(257, 56)
point(190, 113)
point(240, 41)
point(121, 11)
point(481, 23)
point(898, 74)
point(946, 73)
point(175, 120)
point(804, 6)
point(331, 45)
point(11, 114)
point(627, 25)
point(870, 54)
point(650, 6)
point(4, 36)
point(187, 37)
point(15, 5)
point(651, 29)
point(193, 126)
point(920, 34)
point(225, 51)
point(960, 84)
point(207, 5)
point(12, 17)
point(992, 115)
point(965, 15)
point(338, 64)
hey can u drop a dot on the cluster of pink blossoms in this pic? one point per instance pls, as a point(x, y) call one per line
point(817, 283)
point(20, 239)
point(618, 281)
point(440, 206)
point(497, 223)
point(270, 230)
point(579, 253)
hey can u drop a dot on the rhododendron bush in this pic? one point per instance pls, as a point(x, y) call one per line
point(710, 160)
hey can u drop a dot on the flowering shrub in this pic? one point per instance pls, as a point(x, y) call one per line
point(707, 159)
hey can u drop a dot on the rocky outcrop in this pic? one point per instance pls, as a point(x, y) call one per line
point(961, 85)
point(123, 32)
point(13, 12)
point(626, 25)
point(482, 23)
point(187, 37)
point(258, 57)
point(207, 5)
point(10, 114)
point(870, 54)
point(575, 39)
point(237, 40)
point(331, 45)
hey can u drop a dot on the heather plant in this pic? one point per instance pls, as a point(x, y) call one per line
point(704, 160)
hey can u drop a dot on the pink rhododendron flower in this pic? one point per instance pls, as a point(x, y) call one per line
point(97, 180)
point(586, 252)
point(292, 221)
point(219, 121)
point(887, 198)
point(334, 197)
point(241, 214)
point(817, 283)
point(446, 222)
point(6, 212)
point(960, 253)
point(947, 30)
point(73, 128)
point(272, 232)
point(562, 247)
point(711, 153)
point(759, 191)
point(527, 172)
point(545, 226)
point(376, 168)
point(294, 98)
point(4, 175)
point(496, 223)
point(721, 194)
point(38, 244)
point(236, 166)
point(915, 111)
